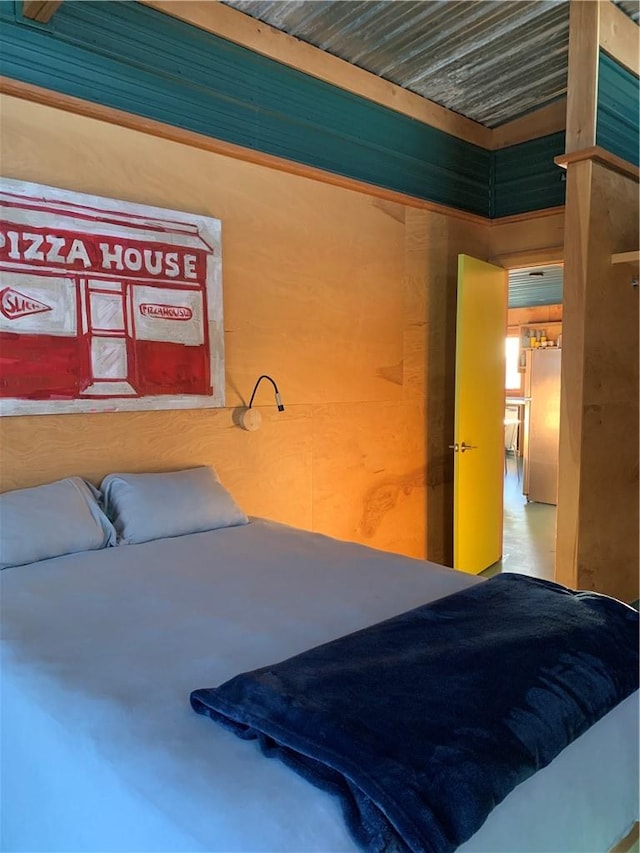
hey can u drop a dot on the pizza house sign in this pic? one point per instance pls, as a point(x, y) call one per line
point(106, 305)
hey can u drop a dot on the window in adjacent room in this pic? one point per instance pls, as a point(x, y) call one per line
point(513, 380)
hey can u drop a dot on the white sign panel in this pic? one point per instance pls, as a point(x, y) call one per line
point(107, 305)
point(31, 305)
point(160, 313)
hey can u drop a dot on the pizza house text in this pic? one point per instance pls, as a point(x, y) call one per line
point(99, 253)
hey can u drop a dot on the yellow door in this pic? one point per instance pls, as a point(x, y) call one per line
point(479, 418)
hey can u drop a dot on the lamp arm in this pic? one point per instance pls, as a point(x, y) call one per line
point(275, 388)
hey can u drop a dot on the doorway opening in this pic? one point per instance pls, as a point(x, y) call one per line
point(533, 351)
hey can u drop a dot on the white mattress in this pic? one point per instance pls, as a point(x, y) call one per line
point(102, 752)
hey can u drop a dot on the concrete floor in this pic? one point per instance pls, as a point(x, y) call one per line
point(529, 534)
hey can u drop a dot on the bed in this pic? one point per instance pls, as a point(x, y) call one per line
point(101, 750)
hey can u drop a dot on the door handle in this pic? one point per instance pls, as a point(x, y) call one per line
point(464, 446)
point(455, 447)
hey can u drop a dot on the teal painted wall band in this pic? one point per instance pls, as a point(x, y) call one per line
point(525, 178)
point(618, 110)
point(133, 58)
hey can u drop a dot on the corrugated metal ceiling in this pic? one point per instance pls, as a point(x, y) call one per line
point(490, 60)
point(535, 286)
point(631, 7)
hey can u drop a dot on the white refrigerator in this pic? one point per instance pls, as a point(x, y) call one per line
point(541, 425)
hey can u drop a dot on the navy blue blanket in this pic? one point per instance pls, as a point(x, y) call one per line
point(423, 723)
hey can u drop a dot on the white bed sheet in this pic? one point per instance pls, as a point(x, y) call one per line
point(102, 752)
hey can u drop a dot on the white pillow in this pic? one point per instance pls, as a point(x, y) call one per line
point(47, 521)
point(153, 506)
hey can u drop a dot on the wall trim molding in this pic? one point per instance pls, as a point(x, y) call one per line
point(601, 156)
point(533, 125)
point(523, 217)
point(531, 258)
point(231, 24)
point(241, 29)
point(89, 109)
point(169, 72)
point(111, 115)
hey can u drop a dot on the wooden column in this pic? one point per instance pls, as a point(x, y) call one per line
point(584, 30)
point(598, 505)
point(597, 539)
point(577, 214)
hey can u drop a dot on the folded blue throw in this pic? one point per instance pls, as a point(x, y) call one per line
point(423, 723)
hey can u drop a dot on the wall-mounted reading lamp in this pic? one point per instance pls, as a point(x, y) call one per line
point(250, 418)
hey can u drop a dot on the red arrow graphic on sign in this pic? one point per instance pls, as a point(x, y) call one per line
point(14, 304)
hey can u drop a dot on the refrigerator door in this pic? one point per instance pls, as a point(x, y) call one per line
point(542, 435)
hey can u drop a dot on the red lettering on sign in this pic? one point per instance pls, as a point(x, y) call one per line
point(14, 304)
point(84, 252)
point(166, 312)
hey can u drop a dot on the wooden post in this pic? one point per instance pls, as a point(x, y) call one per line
point(577, 214)
point(598, 501)
point(598, 511)
point(582, 89)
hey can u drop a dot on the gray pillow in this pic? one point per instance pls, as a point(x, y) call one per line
point(153, 506)
point(47, 521)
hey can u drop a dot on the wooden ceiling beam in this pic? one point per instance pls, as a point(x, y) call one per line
point(230, 24)
point(40, 10)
